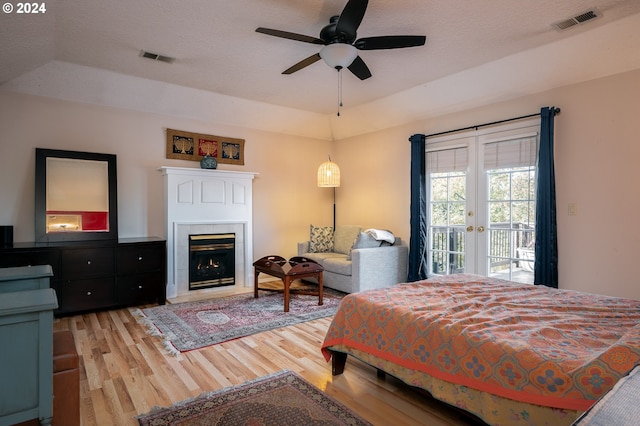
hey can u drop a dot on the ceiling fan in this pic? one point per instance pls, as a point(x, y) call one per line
point(340, 45)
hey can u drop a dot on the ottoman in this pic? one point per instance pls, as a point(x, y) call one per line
point(66, 380)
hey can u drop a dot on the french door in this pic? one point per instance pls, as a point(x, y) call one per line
point(481, 189)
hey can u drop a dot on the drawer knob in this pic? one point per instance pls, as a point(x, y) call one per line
point(88, 293)
point(139, 257)
point(140, 287)
point(88, 262)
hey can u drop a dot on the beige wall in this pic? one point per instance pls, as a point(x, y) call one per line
point(597, 151)
point(286, 198)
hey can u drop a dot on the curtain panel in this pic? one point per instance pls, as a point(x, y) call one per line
point(418, 219)
point(546, 247)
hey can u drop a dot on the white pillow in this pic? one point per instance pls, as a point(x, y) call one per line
point(381, 235)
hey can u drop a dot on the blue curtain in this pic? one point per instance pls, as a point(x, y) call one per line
point(546, 257)
point(417, 241)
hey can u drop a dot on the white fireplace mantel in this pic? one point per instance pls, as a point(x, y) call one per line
point(206, 201)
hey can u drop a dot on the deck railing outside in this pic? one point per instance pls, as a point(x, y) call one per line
point(448, 246)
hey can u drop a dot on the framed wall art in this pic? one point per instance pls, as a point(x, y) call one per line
point(193, 146)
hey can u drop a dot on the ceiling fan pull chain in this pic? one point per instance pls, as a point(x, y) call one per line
point(339, 91)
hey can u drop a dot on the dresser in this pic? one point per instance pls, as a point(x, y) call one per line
point(26, 333)
point(95, 275)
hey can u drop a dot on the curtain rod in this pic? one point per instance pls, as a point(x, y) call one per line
point(556, 111)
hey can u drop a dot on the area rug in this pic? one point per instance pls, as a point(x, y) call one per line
point(282, 398)
point(193, 325)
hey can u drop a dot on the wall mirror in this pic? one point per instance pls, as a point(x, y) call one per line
point(76, 196)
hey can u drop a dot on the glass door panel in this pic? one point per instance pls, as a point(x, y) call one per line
point(447, 187)
point(511, 224)
point(447, 224)
point(509, 173)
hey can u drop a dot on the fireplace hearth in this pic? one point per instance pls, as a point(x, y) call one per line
point(211, 260)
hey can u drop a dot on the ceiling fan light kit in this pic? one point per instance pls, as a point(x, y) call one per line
point(339, 55)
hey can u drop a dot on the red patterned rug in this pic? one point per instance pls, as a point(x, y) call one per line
point(193, 325)
point(282, 398)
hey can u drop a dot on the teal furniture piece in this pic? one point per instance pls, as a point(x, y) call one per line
point(26, 352)
point(25, 278)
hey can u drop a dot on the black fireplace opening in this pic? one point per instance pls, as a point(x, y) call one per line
point(212, 260)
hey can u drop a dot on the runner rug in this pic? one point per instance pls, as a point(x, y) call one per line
point(193, 325)
point(282, 398)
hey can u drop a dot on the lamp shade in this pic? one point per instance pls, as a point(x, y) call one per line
point(328, 175)
point(338, 55)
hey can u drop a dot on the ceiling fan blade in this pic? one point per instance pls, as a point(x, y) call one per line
point(290, 36)
point(302, 64)
point(359, 68)
point(389, 42)
point(350, 19)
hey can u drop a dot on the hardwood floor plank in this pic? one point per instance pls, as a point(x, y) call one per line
point(140, 363)
point(100, 408)
point(189, 370)
point(208, 360)
point(123, 333)
point(166, 377)
point(87, 410)
point(125, 372)
point(140, 391)
point(253, 360)
point(112, 403)
point(123, 395)
point(92, 373)
point(228, 365)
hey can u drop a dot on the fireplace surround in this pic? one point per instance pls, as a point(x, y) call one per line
point(203, 201)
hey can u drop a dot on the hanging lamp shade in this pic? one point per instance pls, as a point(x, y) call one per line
point(328, 175)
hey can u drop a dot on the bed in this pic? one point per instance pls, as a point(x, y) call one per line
point(505, 352)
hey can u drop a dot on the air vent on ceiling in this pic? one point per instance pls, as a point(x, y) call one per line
point(578, 19)
point(156, 57)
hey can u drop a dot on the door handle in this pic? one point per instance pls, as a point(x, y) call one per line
point(479, 228)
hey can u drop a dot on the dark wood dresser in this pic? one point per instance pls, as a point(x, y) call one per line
point(95, 275)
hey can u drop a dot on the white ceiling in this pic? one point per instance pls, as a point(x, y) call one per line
point(217, 49)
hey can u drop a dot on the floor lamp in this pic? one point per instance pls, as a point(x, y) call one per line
point(329, 177)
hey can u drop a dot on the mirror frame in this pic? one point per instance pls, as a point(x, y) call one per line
point(41, 234)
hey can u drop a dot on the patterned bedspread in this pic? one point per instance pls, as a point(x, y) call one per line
point(535, 344)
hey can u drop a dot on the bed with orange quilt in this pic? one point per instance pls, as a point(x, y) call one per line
point(508, 353)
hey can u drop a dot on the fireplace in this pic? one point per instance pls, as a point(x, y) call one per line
point(211, 260)
point(202, 201)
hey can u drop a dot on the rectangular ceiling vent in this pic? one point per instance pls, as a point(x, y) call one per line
point(156, 57)
point(576, 20)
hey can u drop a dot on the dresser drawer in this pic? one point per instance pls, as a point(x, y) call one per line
point(87, 262)
point(140, 288)
point(85, 295)
point(135, 258)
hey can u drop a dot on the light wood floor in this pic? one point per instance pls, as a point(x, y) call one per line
point(125, 372)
